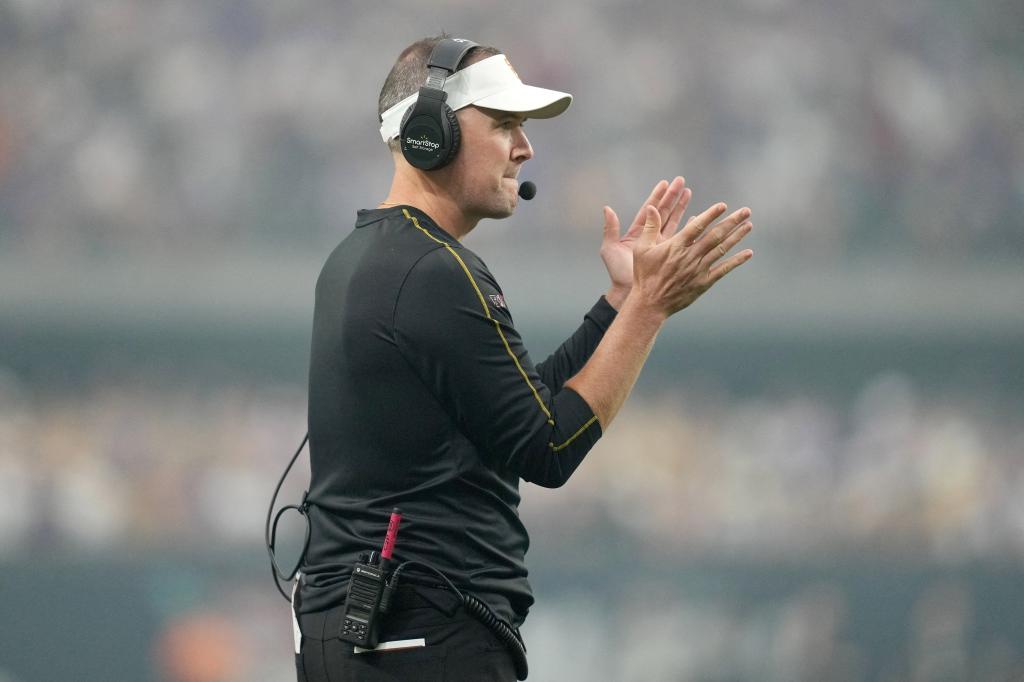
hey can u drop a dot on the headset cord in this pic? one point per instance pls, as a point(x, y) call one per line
point(477, 608)
point(271, 532)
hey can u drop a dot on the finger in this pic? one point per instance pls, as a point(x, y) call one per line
point(652, 228)
point(672, 223)
point(671, 198)
point(611, 226)
point(729, 241)
point(725, 267)
point(714, 238)
point(659, 191)
point(730, 222)
point(696, 225)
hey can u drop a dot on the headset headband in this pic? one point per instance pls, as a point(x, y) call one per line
point(444, 60)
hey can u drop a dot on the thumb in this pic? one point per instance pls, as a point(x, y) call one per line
point(652, 228)
point(611, 225)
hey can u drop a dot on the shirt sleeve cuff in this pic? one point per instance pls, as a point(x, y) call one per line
point(577, 425)
point(602, 314)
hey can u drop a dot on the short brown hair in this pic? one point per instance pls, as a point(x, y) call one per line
point(409, 74)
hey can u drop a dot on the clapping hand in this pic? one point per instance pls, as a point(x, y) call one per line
point(673, 271)
point(670, 199)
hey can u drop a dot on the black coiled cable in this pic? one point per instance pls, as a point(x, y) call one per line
point(479, 610)
point(502, 630)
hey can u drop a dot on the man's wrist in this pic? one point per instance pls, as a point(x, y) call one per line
point(642, 311)
point(616, 296)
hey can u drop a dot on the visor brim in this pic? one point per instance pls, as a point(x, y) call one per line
point(528, 100)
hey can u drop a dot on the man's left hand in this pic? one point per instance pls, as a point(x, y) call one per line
point(670, 198)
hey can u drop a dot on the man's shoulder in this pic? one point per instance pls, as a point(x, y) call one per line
point(404, 246)
point(384, 241)
point(456, 276)
point(442, 265)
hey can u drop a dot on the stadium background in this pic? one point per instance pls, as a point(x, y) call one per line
point(820, 474)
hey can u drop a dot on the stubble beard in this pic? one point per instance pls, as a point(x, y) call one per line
point(496, 204)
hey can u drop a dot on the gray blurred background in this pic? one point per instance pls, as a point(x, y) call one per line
point(819, 475)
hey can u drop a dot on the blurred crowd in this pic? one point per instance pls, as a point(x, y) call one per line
point(182, 126)
point(897, 474)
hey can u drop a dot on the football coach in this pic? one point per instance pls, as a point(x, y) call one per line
point(422, 395)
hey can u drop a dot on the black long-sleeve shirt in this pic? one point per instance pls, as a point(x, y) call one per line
point(422, 396)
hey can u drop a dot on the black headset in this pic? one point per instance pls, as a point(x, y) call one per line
point(430, 131)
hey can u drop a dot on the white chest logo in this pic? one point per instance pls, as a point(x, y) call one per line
point(498, 300)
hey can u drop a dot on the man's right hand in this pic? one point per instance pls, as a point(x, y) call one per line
point(671, 272)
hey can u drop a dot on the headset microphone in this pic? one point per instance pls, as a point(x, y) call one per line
point(527, 190)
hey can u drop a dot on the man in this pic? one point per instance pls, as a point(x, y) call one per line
point(421, 392)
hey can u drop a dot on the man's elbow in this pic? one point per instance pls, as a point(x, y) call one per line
point(549, 482)
point(551, 473)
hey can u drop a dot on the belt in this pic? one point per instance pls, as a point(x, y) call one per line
point(419, 596)
point(406, 597)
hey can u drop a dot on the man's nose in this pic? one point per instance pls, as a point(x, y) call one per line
point(521, 149)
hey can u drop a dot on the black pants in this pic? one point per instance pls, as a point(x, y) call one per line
point(458, 647)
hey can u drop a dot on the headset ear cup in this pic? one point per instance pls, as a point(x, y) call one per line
point(443, 126)
point(454, 134)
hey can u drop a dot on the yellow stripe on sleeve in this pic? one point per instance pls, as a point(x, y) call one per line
point(556, 448)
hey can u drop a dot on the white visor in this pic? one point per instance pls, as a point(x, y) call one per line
point(491, 83)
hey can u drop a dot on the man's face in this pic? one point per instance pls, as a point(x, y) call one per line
point(484, 173)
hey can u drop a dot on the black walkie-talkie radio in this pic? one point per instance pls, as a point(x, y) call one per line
point(362, 605)
point(361, 619)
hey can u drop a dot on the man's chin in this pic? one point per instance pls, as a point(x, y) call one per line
point(502, 205)
point(505, 214)
point(499, 212)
